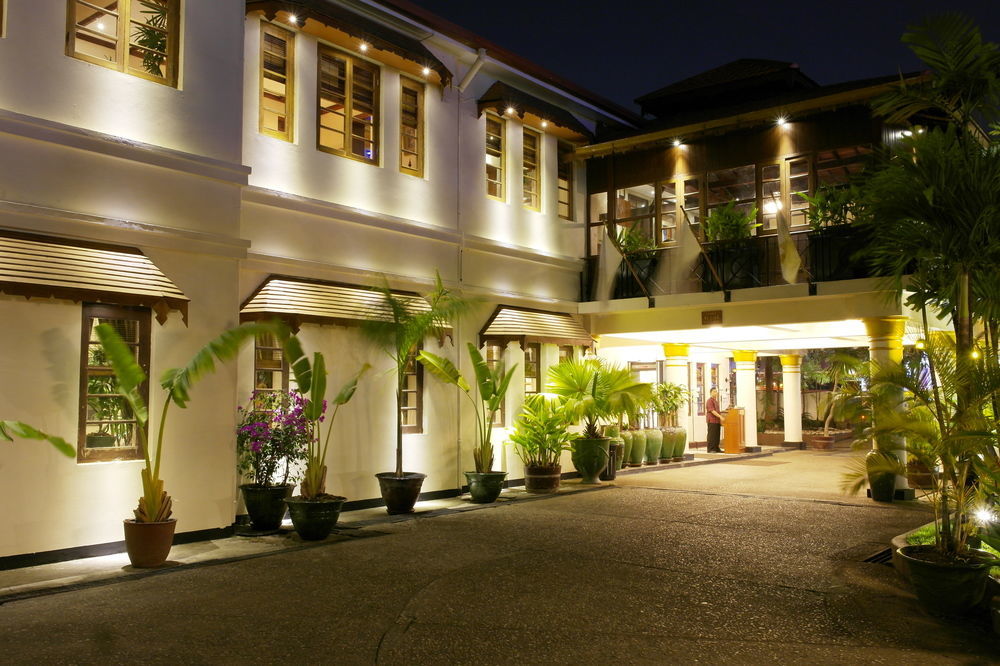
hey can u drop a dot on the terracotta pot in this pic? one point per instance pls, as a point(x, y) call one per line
point(148, 544)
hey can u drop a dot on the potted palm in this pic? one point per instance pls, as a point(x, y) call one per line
point(271, 437)
point(397, 328)
point(833, 240)
point(149, 535)
point(667, 399)
point(540, 435)
point(918, 400)
point(491, 383)
point(731, 248)
point(314, 512)
point(592, 390)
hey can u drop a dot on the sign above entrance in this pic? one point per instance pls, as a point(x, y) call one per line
point(711, 318)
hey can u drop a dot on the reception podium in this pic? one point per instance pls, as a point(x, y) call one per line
point(733, 440)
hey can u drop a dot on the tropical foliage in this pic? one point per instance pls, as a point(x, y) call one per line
point(594, 389)
point(271, 437)
point(729, 223)
point(11, 429)
point(667, 399)
point(541, 431)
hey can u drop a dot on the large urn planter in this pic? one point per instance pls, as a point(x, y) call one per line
point(638, 448)
point(626, 436)
point(485, 487)
point(590, 457)
point(314, 518)
point(677, 437)
point(148, 544)
point(654, 445)
point(947, 588)
point(400, 492)
point(542, 479)
point(265, 505)
point(882, 484)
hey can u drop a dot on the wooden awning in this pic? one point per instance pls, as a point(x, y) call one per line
point(500, 97)
point(525, 325)
point(377, 35)
point(298, 300)
point(48, 267)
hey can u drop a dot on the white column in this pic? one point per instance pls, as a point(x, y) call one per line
point(885, 345)
point(791, 402)
point(746, 393)
point(675, 371)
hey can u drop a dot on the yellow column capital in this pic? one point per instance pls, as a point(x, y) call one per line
point(886, 327)
point(790, 360)
point(744, 356)
point(671, 349)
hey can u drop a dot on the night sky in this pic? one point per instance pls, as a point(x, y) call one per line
point(624, 49)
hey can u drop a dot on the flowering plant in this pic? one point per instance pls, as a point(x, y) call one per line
point(272, 435)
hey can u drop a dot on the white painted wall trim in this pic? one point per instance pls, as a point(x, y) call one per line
point(49, 131)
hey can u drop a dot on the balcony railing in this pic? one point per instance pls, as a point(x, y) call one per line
point(826, 255)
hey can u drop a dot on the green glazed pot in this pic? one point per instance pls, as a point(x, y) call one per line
point(485, 487)
point(678, 437)
point(882, 484)
point(667, 449)
point(627, 438)
point(638, 448)
point(654, 444)
point(590, 457)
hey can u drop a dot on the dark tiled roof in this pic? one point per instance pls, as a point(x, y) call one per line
point(500, 96)
point(738, 70)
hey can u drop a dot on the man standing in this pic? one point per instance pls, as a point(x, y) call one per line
point(714, 420)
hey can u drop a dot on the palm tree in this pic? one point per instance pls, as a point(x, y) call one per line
point(594, 389)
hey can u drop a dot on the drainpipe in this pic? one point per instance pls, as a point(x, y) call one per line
point(471, 74)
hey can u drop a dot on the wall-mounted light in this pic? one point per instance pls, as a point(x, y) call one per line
point(782, 121)
point(678, 143)
point(772, 206)
point(919, 344)
point(906, 133)
point(510, 111)
point(363, 47)
point(545, 124)
point(293, 19)
point(426, 71)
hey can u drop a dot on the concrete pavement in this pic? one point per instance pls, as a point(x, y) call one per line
point(640, 572)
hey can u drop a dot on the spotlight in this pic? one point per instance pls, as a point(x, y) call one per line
point(363, 47)
point(510, 110)
point(426, 71)
point(781, 121)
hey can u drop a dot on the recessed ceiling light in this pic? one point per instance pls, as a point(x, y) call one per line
point(363, 47)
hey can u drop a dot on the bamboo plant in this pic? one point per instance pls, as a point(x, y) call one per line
point(491, 384)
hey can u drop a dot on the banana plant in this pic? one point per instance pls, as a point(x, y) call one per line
point(492, 385)
point(311, 381)
point(155, 504)
point(11, 429)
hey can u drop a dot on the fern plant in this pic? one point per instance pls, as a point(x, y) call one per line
point(729, 223)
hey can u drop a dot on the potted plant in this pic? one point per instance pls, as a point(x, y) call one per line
point(314, 512)
point(917, 400)
point(491, 383)
point(397, 328)
point(667, 399)
point(731, 248)
point(149, 535)
point(271, 436)
point(639, 250)
point(833, 241)
point(594, 389)
point(540, 435)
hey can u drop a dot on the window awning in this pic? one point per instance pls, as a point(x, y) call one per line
point(316, 301)
point(500, 96)
point(47, 267)
point(526, 325)
point(377, 35)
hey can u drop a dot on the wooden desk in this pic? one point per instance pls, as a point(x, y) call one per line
point(732, 424)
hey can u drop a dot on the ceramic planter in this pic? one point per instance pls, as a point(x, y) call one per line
point(610, 471)
point(485, 487)
point(266, 505)
point(882, 484)
point(400, 493)
point(638, 448)
point(590, 456)
point(947, 588)
point(148, 544)
point(542, 480)
point(314, 518)
point(654, 444)
point(626, 436)
point(679, 437)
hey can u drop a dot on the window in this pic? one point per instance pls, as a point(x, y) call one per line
point(770, 188)
point(411, 409)
point(270, 368)
point(348, 106)
point(277, 58)
point(531, 150)
point(798, 184)
point(107, 429)
point(532, 367)
point(836, 167)
point(565, 353)
point(668, 212)
point(494, 156)
point(138, 37)
point(635, 213)
point(494, 357)
point(738, 184)
point(564, 171)
point(411, 127)
point(699, 394)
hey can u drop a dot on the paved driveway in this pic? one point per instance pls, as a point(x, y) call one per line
point(625, 574)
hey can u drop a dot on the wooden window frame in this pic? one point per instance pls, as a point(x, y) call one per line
point(289, 37)
point(351, 62)
point(537, 346)
point(501, 184)
point(531, 172)
point(418, 370)
point(90, 312)
point(282, 368)
point(564, 174)
point(405, 84)
point(500, 420)
point(123, 39)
